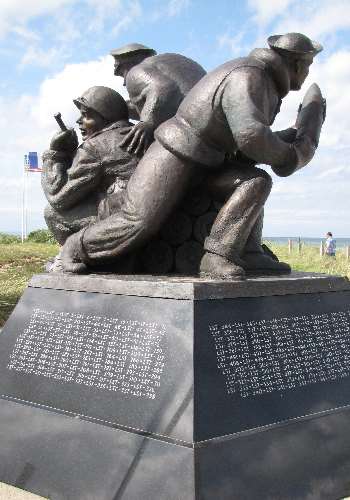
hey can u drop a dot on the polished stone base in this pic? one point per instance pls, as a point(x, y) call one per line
point(61, 457)
point(177, 389)
point(65, 458)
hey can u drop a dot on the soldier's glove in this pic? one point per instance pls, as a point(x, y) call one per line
point(65, 141)
point(71, 254)
point(137, 138)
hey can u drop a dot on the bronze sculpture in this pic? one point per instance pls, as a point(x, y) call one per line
point(156, 84)
point(76, 179)
point(219, 133)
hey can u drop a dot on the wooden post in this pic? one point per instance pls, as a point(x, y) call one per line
point(290, 246)
point(321, 248)
point(299, 245)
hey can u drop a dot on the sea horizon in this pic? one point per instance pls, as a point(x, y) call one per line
point(307, 240)
point(279, 240)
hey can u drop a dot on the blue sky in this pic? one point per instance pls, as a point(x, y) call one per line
point(52, 50)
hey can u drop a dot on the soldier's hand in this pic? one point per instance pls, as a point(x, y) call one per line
point(70, 255)
point(137, 138)
point(66, 141)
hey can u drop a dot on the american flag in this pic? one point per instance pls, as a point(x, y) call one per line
point(31, 163)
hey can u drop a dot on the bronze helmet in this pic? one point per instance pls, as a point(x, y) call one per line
point(105, 101)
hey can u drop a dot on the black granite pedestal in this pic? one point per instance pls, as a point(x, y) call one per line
point(177, 389)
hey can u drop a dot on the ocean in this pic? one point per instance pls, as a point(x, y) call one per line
point(279, 240)
point(282, 240)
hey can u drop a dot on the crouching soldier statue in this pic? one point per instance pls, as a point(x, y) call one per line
point(76, 179)
point(221, 127)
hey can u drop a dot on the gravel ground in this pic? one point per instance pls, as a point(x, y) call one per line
point(10, 493)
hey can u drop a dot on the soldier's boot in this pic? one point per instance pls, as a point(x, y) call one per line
point(229, 234)
point(217, 267)
point(261, 263)
point(258, 258)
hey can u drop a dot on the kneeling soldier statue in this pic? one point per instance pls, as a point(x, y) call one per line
point(76, 179)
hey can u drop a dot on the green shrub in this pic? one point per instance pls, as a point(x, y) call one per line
point(8, 239)
point(41, 236)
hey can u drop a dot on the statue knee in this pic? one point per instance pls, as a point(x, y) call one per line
point(263, 181)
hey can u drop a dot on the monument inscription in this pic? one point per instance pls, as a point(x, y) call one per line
point(260, 357)
point(102, 352)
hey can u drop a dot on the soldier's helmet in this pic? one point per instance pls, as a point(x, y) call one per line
point(294, 43)
point(132, 49)
point(105, 101)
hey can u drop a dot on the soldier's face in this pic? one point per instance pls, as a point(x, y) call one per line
point(121, 67)
point(117, 67)
point(300, 73)
point(89, 122)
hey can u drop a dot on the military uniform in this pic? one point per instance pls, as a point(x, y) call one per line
point(228, 115)
point(75, 182)
point(223, 125)
point(159, 83)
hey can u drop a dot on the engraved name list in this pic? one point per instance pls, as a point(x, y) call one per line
point(260, 357)
point(102, 352)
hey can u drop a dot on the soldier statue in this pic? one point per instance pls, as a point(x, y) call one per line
point(222, 127)
point(76, 179)
point(156, 85)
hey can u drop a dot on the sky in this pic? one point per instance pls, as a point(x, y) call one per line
point(53, 50)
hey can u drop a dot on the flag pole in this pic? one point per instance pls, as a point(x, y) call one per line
point(23, 198)
point(31, 164)
point(26, 205)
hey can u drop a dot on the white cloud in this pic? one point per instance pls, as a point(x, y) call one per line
point(25, 33)
point(334, 172)
point(171, 8)
point(175, 7)
point(8, 182)
point(133, 12)
point(57, 93)
point(267, 10)
point(316, 20)
point(116, 14)
point(15, 13)
point(235, 43)
point(66, 26)
point(40, 57)
point(103, 10)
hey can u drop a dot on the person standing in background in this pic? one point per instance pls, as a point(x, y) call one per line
point(330, 245)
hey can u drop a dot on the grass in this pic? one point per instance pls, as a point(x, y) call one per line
point(310, 259)
point(18, 262)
